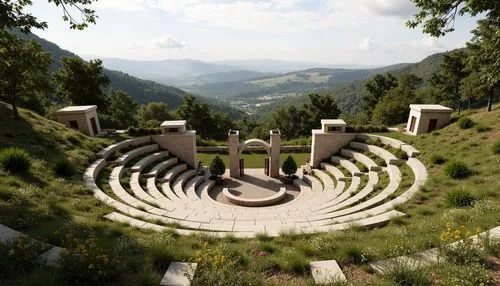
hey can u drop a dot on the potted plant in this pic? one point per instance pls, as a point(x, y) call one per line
point(289, 167)
point(217, 169)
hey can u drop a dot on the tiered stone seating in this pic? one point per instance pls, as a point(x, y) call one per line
point(173, 194)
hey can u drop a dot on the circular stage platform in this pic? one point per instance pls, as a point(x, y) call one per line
point(253, 185)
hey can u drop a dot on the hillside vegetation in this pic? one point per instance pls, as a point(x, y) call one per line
point(58, 210)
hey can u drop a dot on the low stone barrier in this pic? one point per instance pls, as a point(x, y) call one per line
point(254, 202)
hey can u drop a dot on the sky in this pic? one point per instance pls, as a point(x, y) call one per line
point(363, 32)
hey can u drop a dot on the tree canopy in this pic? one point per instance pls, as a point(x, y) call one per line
point(23, 69)
point(81, 83)
point(13, 14)
point(121, 111)
point(438, 17)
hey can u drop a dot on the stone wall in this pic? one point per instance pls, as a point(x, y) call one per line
point(324, 145)
point(182, 145)
point(83, 121)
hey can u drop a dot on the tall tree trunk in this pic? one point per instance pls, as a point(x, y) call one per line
point(459, 107)
point(470, 102)
point(490, 99)
point(14, 106)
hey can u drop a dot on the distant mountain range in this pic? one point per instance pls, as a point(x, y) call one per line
point(143, 91)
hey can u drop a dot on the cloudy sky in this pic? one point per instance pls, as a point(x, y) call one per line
point(367, 32)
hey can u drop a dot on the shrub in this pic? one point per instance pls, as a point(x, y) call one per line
point(482, 128)
point(132, 131)
point(465, 123)
point(15, 160)
point(366, 129)
point(217, 166)
point(466, 275)
point(400, 154)
point(63, 167)
point(407, 275)
point(496, 147)
point(457, 170)
point(437, 159)
point(459, 198)
point(458, 246)
point(289, 166)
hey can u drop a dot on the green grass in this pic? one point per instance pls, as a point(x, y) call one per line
point(57, 210)
point(255, 160)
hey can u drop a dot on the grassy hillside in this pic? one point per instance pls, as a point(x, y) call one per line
point(60, 211)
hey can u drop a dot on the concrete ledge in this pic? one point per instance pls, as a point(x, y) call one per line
point(381, 152)
point(106, 152)
point(139, 166)
point(134, 153)
point(326, 272)
point(254, 202)
point(179, 274)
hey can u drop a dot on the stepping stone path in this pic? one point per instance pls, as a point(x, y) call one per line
point(326, 272)
point(49, 257)
point(427, 257)
point(179, 274)
point(164, 193)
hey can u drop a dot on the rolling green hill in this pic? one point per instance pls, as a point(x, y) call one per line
point(142, 91)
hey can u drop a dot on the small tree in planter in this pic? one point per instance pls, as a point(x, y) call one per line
point(217, 167)
point(289, 168)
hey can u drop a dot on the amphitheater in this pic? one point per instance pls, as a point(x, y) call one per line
point(152, 188)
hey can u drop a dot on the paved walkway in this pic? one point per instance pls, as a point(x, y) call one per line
point(253, 185)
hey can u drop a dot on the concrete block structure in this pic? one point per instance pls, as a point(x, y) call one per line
point(178, 140)
point(83, 118)
point(425, 118)
point(236, 149)
point(329, 140)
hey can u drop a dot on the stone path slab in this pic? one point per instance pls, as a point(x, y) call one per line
point(179, 274)
point(326, 272)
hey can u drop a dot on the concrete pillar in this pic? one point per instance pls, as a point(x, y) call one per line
point(274, 161)
point(234, 156)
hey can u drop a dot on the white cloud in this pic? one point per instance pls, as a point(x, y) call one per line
point(429, 44)
point(367, 45)
point(168, 42)
point(399, 8)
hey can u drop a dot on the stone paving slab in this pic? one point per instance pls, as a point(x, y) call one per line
point(179, 274)
point(51, 257)
point(326, 272)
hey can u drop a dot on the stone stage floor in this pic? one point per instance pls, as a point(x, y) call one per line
point(254, 184)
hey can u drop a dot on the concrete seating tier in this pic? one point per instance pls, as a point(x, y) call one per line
point(410, 150)
point(381, 152)
point(139, 166)
point(134, 153)
point(108, 151)
point(161, 167)
point(177, 198)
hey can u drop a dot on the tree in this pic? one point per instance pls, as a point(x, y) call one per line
point(289, 167)
point(80, 82)
point(121, 111)
point(319, 107)
point(438, 17)
point(484, 58)
point(157, 111)
point(23, 70)
point(393, 107)
point(13, 15)
point(377, 87)
point(217, 166)
point(449, 80)
point(289, 120)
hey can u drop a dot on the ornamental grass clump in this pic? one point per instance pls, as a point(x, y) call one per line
point(437, 159)
point(459, 198)
point(496, 147)
point(63, 167)
point(457, 170)
point(15, 160)
point(465, 123)
point(400, 273)
point(457, 245)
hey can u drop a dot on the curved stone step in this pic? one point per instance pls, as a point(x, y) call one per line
point(157, 169)
point(144, 162)
point(108, 151)
point(353, 169)
point(135, 153)
point(365, 160)
point(389, 158)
